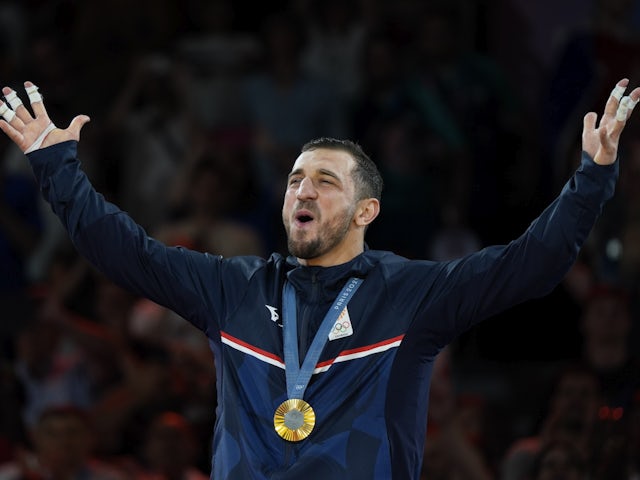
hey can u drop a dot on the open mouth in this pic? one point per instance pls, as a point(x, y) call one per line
point(303, 217)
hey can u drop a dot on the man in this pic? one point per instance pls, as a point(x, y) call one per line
point(62, 442)
point(299, 396)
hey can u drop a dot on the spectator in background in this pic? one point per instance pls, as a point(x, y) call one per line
point(337, 31)
point(169, 451)
point(381, 120)
point(124, 349)
point(20, 232)
point(20, 228)
point(471, 115)
point(381, 97)
point(208, 205)
point(148, 386)
point(217, 54)
point(285, 105)
point(103, 42)
point(49, 372)
point(571, 416)
point(606, 326)
point(62, 440)
point(560, 460)
point(410, 192)
point(611, 455)
point(150, 130)
point(102, 336)
point(454, 449)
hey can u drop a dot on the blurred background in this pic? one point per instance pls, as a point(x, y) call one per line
point(472, 110)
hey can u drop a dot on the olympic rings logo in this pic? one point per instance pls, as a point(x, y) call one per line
point(341, 326)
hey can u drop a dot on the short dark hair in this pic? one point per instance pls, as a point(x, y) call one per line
point(366, 176)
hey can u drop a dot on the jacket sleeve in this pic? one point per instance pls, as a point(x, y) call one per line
point(185, 281)
point(465, 291)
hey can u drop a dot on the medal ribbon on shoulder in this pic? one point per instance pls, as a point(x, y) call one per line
point(294, 418)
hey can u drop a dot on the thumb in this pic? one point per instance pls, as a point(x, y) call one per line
point(76, 125)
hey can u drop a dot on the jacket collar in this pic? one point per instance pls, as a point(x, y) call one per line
point(329, 280)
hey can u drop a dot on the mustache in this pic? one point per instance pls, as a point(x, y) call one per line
point(306, 205)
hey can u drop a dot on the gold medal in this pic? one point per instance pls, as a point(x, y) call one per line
point(294, 419)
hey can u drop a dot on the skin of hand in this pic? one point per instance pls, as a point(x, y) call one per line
point(601, 141)
point(24, 129)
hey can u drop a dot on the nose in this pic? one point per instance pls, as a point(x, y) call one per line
point(306, 189)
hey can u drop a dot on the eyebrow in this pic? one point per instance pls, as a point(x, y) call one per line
point(322, 171)
point(295, 172)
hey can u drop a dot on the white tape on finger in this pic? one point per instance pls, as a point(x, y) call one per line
point(36, 145)
point(624, 109)
point(7, 113)
point(617, 92)
point(13, 99)
point(34, 95)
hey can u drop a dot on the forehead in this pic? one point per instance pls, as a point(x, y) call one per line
point(313, 161)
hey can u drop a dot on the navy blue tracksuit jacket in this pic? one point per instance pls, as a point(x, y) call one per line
point(369, 389)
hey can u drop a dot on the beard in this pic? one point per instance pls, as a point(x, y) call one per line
point(328, 237)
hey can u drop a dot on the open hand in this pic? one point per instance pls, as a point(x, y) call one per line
point(601, 141)
point(30, 132)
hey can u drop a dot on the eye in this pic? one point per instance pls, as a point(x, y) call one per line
point(294, 181)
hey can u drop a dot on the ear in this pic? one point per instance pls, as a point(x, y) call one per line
point(367, 211)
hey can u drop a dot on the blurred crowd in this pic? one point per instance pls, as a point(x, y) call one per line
point(472, 110)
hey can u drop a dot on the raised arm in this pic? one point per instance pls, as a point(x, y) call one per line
point(501, 276)
point(105, 235)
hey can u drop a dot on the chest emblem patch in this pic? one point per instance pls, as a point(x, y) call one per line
point(342, 327)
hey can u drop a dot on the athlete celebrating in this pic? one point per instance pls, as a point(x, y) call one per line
point(324, 357)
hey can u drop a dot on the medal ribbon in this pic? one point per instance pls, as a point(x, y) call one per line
point(298, 376)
